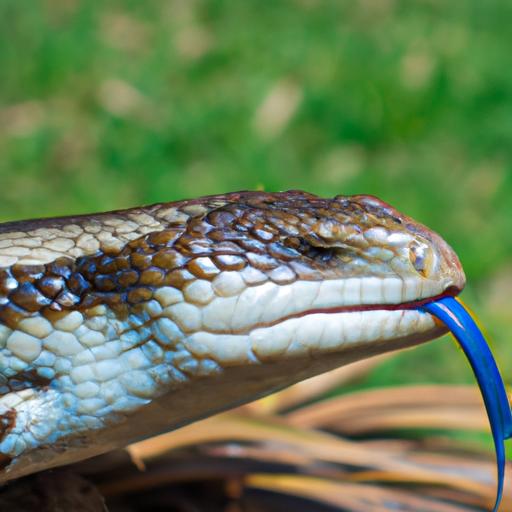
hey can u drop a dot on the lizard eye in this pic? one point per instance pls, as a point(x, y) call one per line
point(311, 250)
point(421, 258)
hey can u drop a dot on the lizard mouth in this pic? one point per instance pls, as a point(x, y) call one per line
point(451, 291)
point(318, 331)
point(269, 305)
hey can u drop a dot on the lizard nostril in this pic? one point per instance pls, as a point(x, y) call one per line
point(421, 258)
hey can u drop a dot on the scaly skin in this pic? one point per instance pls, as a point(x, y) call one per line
point(117, 326)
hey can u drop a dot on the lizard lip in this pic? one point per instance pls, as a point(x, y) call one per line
point(451, 291)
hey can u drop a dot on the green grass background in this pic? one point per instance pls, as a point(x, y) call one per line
point(106, 105)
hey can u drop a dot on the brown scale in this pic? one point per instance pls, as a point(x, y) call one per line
point(24, 380)
point(7, 422)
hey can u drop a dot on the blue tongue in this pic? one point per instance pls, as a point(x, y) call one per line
point(453, 314)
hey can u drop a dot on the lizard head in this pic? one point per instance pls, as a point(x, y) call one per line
point(275, 276)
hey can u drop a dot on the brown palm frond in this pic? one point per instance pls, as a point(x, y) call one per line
point(396, 408)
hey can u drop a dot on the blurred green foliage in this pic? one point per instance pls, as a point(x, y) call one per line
point(106, 105)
